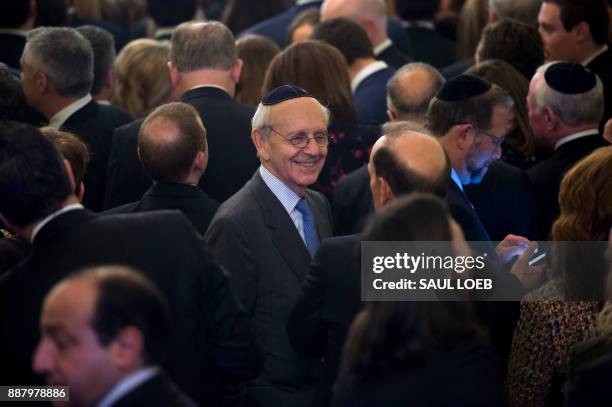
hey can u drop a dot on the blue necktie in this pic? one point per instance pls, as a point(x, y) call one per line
point(311, 237)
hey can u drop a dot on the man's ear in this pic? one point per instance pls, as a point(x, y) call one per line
point(236, 70)
point(550, 119)
point(582, 32)
point(70, 173)
point(386, 194)
point(175, 74)
point(260, 140)
point(127, 349)
point(370, 28)
point(42, 82)
point(200, 161)
point(391, 115)
point(463, 136)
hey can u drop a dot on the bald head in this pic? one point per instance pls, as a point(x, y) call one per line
point(410, 90)
point(370, 14)
point(172, 144)
point(407, 160)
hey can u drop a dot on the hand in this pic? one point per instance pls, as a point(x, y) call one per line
point(512, 246)
point(529, 276)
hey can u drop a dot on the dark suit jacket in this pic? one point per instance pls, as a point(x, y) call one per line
point(232, 156)
point(546, 176)
point(393, 57)
point(429, 46)
point(95, 124)
point(11, 48)
point(602, 66)
point(255, 239)
point(12, 251)
point(158, 391)
point(330, 299)
point(370, 98)
point(191, 200)
point(275, 28)
point(504, 202)
point(465, 215)
point(352, 202)
point(463, 375)
point(211, 342)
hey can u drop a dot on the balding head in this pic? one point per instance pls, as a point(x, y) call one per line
point(410, 90)
point(370, 14)
point(406, 159)
point(172, 144)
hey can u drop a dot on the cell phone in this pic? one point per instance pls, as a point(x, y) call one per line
point(536, 257)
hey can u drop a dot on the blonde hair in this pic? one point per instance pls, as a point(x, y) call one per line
point(142, 80)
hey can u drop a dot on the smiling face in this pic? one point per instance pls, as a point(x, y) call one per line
point(296, 167)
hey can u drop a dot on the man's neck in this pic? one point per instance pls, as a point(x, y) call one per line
point(26, 231)
point(565, 131)
point(586, 50)
point(54, 104)
point(205, 77)
point(358, 65)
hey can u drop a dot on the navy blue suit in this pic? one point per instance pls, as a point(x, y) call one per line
point(370, 98)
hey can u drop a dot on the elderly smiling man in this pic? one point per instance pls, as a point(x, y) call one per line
point(266, 234)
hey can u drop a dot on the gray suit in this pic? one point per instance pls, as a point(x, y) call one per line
point(253, 236)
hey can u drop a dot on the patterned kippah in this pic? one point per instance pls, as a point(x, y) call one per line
point(462, 87)
point(570, 78)
point(282, 93)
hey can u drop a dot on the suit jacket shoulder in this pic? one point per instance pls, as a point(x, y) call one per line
point(352, 202)
point(371, 98)
point(159, 391)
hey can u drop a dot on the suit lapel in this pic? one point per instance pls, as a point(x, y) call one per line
point(282, 230)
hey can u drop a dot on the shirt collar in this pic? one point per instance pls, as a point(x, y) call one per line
point(301, 2)
point(283, 193)
point(13, 31)
point(456, 178)
point(365, 72)
point(209, 86)
point(60, 117)
point(127, 384)
point(49, 218)
point(595, 55)
point(163, 32)
point(575, 136)
point(380, 48)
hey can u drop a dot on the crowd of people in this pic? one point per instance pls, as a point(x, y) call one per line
point(186, 187)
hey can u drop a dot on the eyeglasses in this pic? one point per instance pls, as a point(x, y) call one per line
point(301, 139)
point(497, 141)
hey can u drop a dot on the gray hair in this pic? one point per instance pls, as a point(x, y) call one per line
point(103, 45)
point(573, 110)
point(525, 11)
point(261, 117)
point(407, 104)
point(209, 45)
point(65, 56)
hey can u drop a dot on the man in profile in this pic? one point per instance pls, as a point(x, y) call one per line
point(105, 335)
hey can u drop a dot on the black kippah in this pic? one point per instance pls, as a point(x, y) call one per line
point(462, 87)
point(570, 78)
point(282, 93)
